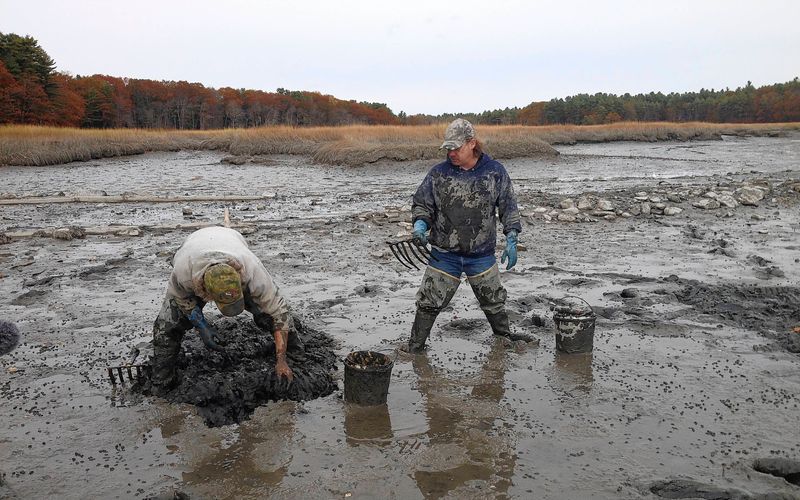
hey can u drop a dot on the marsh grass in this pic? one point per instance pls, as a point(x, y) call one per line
point(351, 145)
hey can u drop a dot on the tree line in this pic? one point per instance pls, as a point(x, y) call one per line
point(33, 92)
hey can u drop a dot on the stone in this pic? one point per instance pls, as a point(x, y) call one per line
point(566, 218)
point(566, 203)
point(748, 195)
point(727, 200)
point(672, 210)
point(706, 204)
point(605, 205)
point(645, 208)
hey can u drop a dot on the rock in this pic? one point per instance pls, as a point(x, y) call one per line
point(586, 203)
point(69, 233)
point(186, 211)
point(566, 203)
point(629, 293)
point(641, 196)
point(727, 200)
point(626, 215)
point(9, 338)
point(566, 218)
point(674, 198)
point(706, 204)
point(645, 208)
point(571, 211)
point(710, 194)
point(659, 206)
point(4, 238)
point(748, 195)
point(605, 205)
point(672, 210)
point(655, 199)
point(131, 231)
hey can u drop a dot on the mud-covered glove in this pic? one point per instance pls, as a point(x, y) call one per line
point(510, 252)
point(207, 334)
point(420, 230)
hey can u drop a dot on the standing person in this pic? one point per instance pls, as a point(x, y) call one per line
point(215, 264)
point(459, 201)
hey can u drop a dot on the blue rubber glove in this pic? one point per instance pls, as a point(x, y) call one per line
point(207, 334)
point(420, 228)
point(511, 250)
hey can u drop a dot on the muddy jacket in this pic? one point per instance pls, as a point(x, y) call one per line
point(214, 245)
point(460, 206)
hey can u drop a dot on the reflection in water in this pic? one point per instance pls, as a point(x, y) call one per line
point(573, 372)
point(248, 459)
point(367, 424)
point(468, 441)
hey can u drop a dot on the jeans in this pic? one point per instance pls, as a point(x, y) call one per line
point(455, 265)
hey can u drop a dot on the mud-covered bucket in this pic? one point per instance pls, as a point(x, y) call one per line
point(574, 319)
point(366, 377)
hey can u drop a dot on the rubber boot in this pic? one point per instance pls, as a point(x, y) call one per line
point(500, 326)
point(420, 330)
point(168, 330)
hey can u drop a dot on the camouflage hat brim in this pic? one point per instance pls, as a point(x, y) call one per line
point(232, 309)
point(451, 145)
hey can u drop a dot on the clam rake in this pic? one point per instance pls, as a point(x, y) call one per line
point(407, 251)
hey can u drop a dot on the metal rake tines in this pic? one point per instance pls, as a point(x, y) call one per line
point(407, 251)
point(142, 371)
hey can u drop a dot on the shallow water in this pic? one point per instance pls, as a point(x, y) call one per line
point(671, 390)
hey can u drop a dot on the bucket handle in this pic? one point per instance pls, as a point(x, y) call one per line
point(579, 298)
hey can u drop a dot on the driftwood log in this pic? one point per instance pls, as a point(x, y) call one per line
point(37, 200)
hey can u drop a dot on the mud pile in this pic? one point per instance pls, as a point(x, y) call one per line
point(227, 387)
point(771, 311)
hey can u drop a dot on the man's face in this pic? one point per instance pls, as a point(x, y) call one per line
point(463, 156)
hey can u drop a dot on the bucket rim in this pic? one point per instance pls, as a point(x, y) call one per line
point(349, 362)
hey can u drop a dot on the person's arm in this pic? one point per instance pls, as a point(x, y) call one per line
point(507, 205)
point(423, 205)
point(281, 366)
point(266, 296)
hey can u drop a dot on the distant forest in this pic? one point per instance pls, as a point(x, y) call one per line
point(33, 92)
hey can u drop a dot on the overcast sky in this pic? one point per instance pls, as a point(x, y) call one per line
point(423, 56)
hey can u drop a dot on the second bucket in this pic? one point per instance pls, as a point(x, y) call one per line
point(575, 324)
point(366, 377)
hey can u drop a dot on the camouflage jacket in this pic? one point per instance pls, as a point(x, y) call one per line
point(461, 206)
point(214, 245)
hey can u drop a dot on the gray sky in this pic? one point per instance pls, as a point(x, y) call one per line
point(423, 56)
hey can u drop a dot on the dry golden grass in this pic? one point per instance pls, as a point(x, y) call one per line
point(352, 145)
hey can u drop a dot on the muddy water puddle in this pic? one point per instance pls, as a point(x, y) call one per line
point(691, 378)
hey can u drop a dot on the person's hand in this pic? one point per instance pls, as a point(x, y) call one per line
point(211, 339)
point(282, 369)
point(510, 252)
point(207, 334)
point(420, 228)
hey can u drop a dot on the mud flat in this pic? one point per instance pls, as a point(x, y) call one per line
point(688, 252)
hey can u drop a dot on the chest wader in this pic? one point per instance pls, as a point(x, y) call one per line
point(492, 297)
point(168, 330)
point(435, 292)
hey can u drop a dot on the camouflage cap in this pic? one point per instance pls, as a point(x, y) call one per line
point(224, 285)
point(457, 133)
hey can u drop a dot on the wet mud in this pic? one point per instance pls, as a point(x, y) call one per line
point(226, 387)
point(9, 337)
point(688, 253)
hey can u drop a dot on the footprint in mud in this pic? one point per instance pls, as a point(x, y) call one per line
point(368, 290)
point(29, 298)
point(9, 337)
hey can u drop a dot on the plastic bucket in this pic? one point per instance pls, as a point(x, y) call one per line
point(575, 331)
point(366, 377)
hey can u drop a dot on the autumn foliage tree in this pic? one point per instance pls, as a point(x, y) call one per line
point(31, 91)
